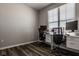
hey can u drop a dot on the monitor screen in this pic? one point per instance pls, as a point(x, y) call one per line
point(73, 25)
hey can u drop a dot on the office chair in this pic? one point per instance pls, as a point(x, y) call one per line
point(57, 38)
point(41, 32)
point(42, 37)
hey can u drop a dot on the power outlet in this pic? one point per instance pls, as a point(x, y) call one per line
point(2, 40)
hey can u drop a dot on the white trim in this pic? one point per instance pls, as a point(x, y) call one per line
point(16, 45)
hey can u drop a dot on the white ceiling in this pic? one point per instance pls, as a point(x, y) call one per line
point(38, 6)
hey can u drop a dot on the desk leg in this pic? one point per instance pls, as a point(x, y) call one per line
point(51, 43)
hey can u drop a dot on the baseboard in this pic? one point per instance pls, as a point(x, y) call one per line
point(16, 45)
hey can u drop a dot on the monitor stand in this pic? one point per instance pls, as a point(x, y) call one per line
point(72, 30)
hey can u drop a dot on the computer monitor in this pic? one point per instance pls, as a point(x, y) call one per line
point(73, 25)
point(43, 27)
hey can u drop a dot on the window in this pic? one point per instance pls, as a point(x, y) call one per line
point(70, 11)
point(66, 14)
point(63, 16)
point(53, 18)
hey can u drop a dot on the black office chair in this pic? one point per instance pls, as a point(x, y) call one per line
point(57, 38)
point(41, 32)
point(42, 37)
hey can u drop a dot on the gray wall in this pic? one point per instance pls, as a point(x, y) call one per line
point(18, 24)
point(43, 17)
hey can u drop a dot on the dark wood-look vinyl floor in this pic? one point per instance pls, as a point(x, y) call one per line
point(33, 49)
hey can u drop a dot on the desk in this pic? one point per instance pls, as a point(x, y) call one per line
point(72, 45)
point(62, 46)
point(69, 41)
point(73, 42)
point(49, 39)
point(66, 46)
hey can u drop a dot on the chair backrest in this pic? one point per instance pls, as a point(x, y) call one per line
point(57, 30)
